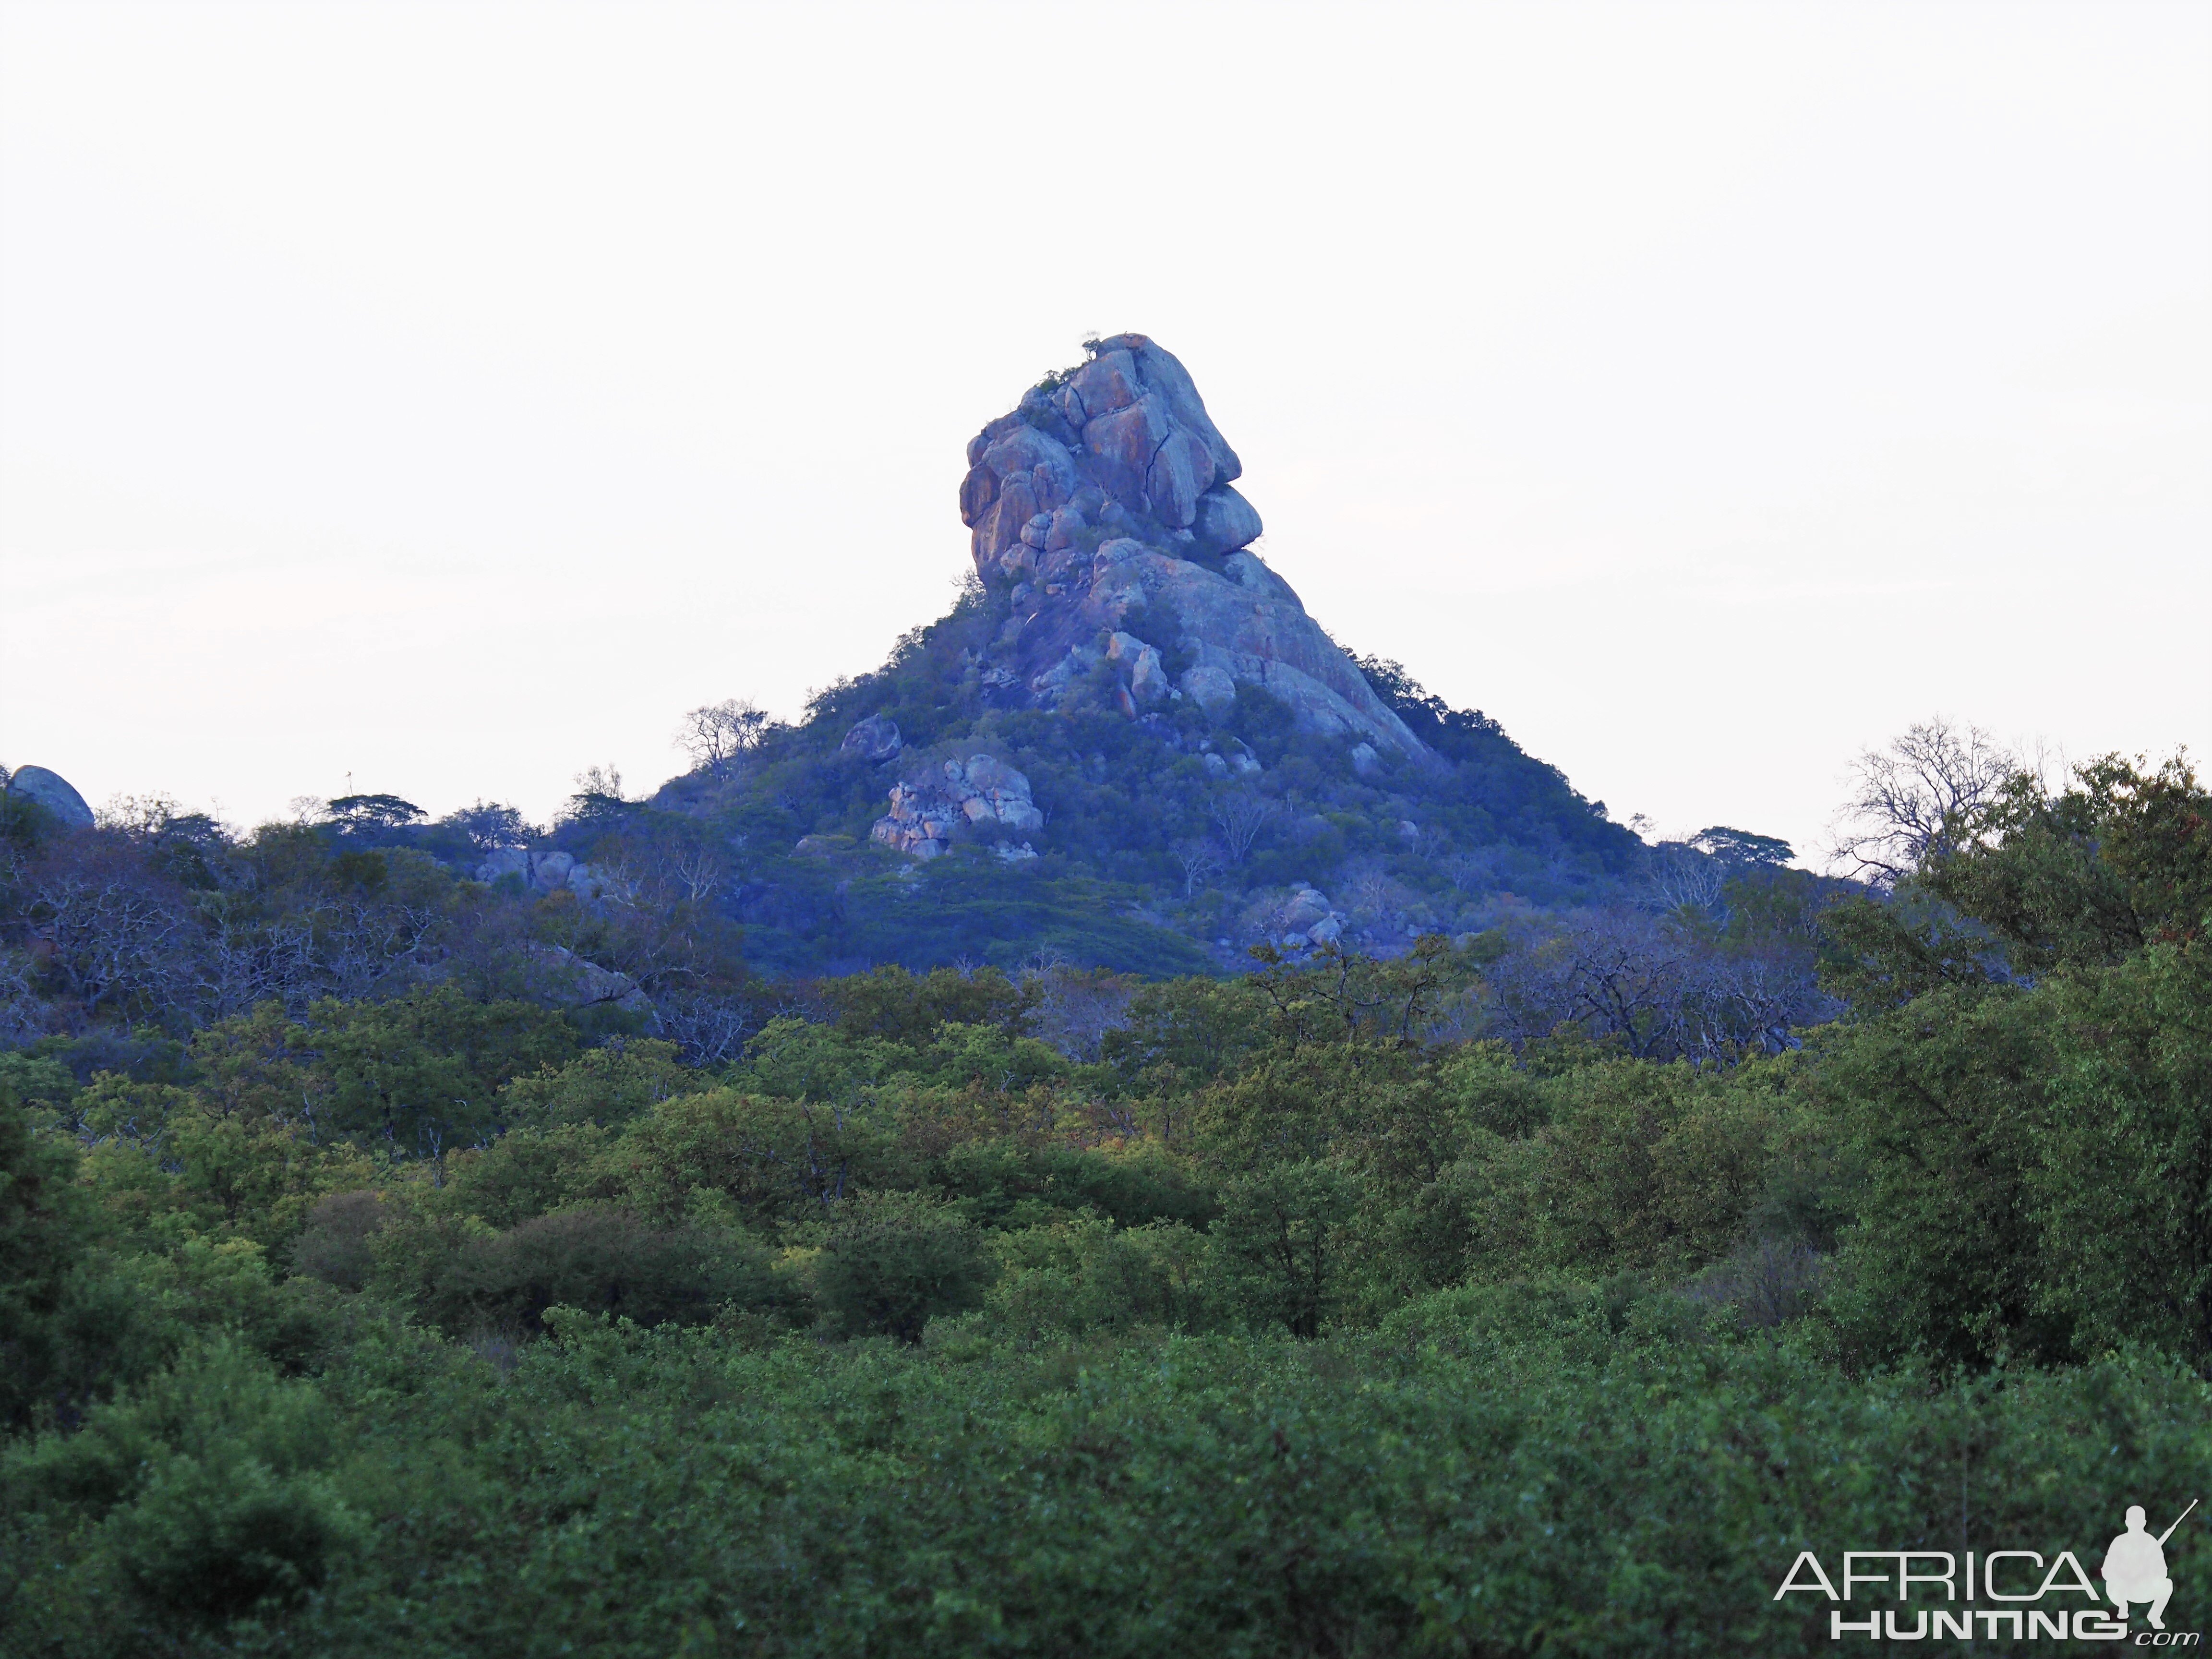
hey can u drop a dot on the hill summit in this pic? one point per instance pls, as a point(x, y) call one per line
point(1128, 745)
point(1108, 497)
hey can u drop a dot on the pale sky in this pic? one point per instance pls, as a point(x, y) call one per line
point(448, 397)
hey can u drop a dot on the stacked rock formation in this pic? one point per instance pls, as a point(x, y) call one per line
point(981, 790)
point(1108, 493)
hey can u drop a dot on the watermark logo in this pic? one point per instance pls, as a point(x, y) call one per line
point(2134, 1575)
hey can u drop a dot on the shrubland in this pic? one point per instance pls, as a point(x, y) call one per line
point(1351, 1305)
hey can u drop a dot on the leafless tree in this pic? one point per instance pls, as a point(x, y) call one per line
point(719, 734)
point(1916, 799)
point(1658, 990)
point(707, 1029)
point(600, 781)
point(1678, 876)
point(1240, 815)
point(698, 871)
point(107, 936)
point(1078, 1006)
point(1198, 860)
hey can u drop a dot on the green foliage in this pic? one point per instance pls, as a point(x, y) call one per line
point(45, 1221)
point(1285, 1317)
point(892, 1262)
point(607, 1086)
point(204, 1489)
point(1283, 1233)
point(424, 1071)
point(601, 1261)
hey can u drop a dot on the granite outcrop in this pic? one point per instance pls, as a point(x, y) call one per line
point(51, 791)
point(929, 809)
point(1103, 515)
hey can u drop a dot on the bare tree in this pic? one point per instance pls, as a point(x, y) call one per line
point(1241, 815)
point(1678, 876)
point(600, 781)
point(1198, 860)
point(1915, 799)
point(718, 735)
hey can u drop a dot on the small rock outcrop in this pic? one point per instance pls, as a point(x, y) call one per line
point(926, 812)
point(1106, 497)
point(551, 872)
point(875, 739)
point(52, 791)
point(569, 980)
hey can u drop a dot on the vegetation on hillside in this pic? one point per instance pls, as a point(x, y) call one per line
point(1494, 1297)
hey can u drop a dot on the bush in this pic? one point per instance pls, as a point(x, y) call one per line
point(334, 1246)
point(206, 1487)
point(895, 1261)
point(603, 1261)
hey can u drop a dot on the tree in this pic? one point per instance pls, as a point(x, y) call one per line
point(1740, 850)
point(368, 814)
point(1913, 800)
point(490, 824)
point(2089, 876)
point(1197, 860)
point(1283, 1232)
point(1241, 815)
point(718, 734)
point(894, 1261)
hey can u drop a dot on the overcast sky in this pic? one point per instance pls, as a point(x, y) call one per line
point(441, 399)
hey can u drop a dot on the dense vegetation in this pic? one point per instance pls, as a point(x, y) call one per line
point(1354, 1305)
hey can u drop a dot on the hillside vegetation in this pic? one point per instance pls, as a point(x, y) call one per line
point(357, 1297)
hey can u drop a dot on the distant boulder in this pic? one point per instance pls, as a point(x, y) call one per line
point(874, 738)
point(51, 791)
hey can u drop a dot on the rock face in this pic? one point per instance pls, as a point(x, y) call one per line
point(979, 790)
point(1105, 497)
point(54, 791)
point(874, 738)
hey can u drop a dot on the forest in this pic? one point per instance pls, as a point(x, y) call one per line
point(1539, 1287)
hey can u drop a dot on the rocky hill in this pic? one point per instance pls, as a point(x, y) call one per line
point(1129, 743)
point(1127, 746)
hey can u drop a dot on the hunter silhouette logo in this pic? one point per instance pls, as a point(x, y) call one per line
point(2134, 1572)
point(2135, 1567)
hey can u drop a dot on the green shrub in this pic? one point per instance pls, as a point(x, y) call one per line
point(895, 1261)
point(601, 1261)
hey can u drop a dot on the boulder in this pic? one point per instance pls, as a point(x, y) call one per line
point(567, 981)
point(875, 739)
point(1066, 524)
point(1224, 521)
point(1306, 908)
point(503, 861)
point(978, 791)
point(52, 791)
point(549, 872)
point(1148, 681)
point(1364, 761)
point(1210, 688)
point(589, 881)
